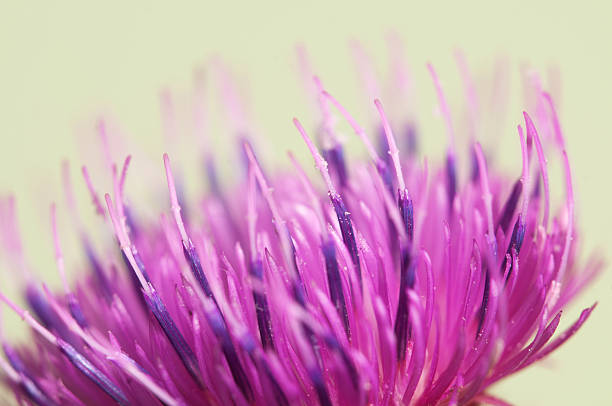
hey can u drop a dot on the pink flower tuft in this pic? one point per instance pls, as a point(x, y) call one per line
point(394, 283)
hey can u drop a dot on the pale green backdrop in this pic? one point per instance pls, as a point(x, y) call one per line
point(62, 62)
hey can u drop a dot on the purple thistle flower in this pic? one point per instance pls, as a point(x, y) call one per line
point(395, 283)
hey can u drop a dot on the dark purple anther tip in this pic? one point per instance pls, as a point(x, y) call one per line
point(193, 259)
point(475, 169)
point(407, 213)
point(335, 283)
point(14, 359)
point(514, 247)
point(211, 174)
point(256, 269)
point(217, 324)
point(93, 373)
point(76, 311)
point(412, 139)
point(248, 344)
point(536, 189)
point(262, 309)
point(484, 305)
point(319, 385)
point(333, 344)
point(27, 384)
point(385, 174)
point(510, 206)
point(279, 394)
point(298, 293)
point(518, 234)
point(97, 268)
point(140, 264)
point(135, 282)
point(348, 234)
point(43, 310)
point(402, 317)
point(130, 222)
point(185, 353)
point(236, 369)
point(35, 393)
point(335, 157)
point(451, 179)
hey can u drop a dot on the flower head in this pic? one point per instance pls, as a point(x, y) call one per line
point(393, 282)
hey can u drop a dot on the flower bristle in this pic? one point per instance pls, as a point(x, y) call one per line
point(396, 282)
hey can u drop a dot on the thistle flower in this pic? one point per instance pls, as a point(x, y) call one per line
point(395, 282)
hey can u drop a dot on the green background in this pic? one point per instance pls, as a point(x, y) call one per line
point(61, 63)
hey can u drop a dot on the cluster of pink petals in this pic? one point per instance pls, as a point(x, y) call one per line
point(385, 282)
